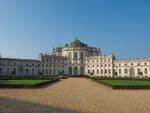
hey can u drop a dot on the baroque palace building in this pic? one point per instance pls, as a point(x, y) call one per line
point(75, 58)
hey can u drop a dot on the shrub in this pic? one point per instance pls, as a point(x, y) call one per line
point(140, 74)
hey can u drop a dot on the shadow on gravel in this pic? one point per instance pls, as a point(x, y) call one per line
point(49, 84)
point(16, 106)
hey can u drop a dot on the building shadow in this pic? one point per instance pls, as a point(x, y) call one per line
point(8, 105)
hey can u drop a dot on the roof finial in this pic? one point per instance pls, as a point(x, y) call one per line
point(76, 38)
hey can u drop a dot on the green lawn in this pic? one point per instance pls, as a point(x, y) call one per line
point(23, 82)
point(125, 82)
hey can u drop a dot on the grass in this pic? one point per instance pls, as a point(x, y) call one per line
point(125, 82)
point(23, 82)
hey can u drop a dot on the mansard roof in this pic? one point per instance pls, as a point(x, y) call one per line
point(20, 60)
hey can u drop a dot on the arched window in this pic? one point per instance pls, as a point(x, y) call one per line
point(81, 70)
point(75, 71)
point(75, 55)
point(126, 71)
point(70, 55)
point(70, 70)
point(131, 72)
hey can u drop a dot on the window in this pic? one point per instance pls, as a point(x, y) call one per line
point(109, 65)
point(46, 71)
point(114, 70)
point(109, 71)
point(81, 62)
point(145, 64)
point(138, 70)
point(119, 64)
point(119, 71)
point(145, 70)
point(97, 71)
point(81, 55)
point(125, 64)
point(7, 70)
point(63, 71)
point(138, 64)
point(105, 71)
point(27, 71)
point(131, 64)
point(38, 71)
point(32, 71)
point(97, 65)
point(42, 70)
point(108, 60)
point(0, 70)
point(93, 65)
point(126, 71)
point(54, 71)
point(50, 71)
point(69, 55)
point(88, 71)
point(75, 55)
point(93, 71)
point(101, 71)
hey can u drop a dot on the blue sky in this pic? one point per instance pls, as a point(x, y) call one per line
point(121, 27)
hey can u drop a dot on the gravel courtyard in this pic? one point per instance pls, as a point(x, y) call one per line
point(74, 95)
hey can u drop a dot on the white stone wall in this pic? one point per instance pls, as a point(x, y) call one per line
point(133, 65)
point(100, 65)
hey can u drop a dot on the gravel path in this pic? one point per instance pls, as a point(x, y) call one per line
point(74, 95)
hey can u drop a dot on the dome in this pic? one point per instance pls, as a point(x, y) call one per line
point(76, 43)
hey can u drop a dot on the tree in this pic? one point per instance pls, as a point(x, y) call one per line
point(40, 73)
point(60, 73)
point(115, 74)
point(140, 74)
point(91, 73)
point(13, 73)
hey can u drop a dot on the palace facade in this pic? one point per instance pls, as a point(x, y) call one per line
point(75, 58)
